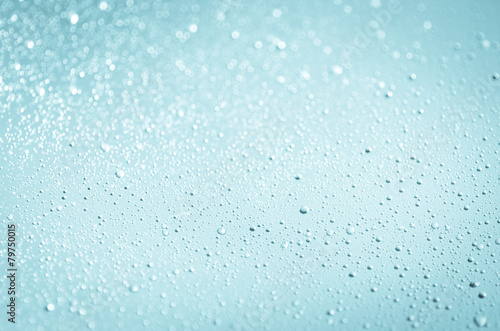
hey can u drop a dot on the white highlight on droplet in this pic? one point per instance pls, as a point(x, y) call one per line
point(193, 28)
point(74, 18)
point(337, 70)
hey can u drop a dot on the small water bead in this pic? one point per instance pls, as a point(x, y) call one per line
point(350, 230)
point(221, 231)
point(337, 70)
point(105, 147)
point(74, 18)
point(120, 173)
point(435, 225)
point(474, 284)
point(281, 45)
point(193, 28)
point(480, 321)
point(304, 209)
point(51, 307)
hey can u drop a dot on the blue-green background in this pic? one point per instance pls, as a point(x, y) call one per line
point(155, 156)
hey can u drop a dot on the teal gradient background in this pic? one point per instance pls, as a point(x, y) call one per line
point(156, 156)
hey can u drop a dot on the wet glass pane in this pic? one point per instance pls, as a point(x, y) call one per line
point(249, 165)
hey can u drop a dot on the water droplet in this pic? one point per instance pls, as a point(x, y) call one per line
point(337, 70)
point(350, 230)
point(193, 28)
point(304, 210)
point(74, 18)
point(474, 284)
point(120, 173)
point(221, 231)
point(480, 321)
point(105, 147)
point(51, 307)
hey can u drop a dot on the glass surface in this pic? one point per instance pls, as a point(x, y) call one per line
point(250, 165)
